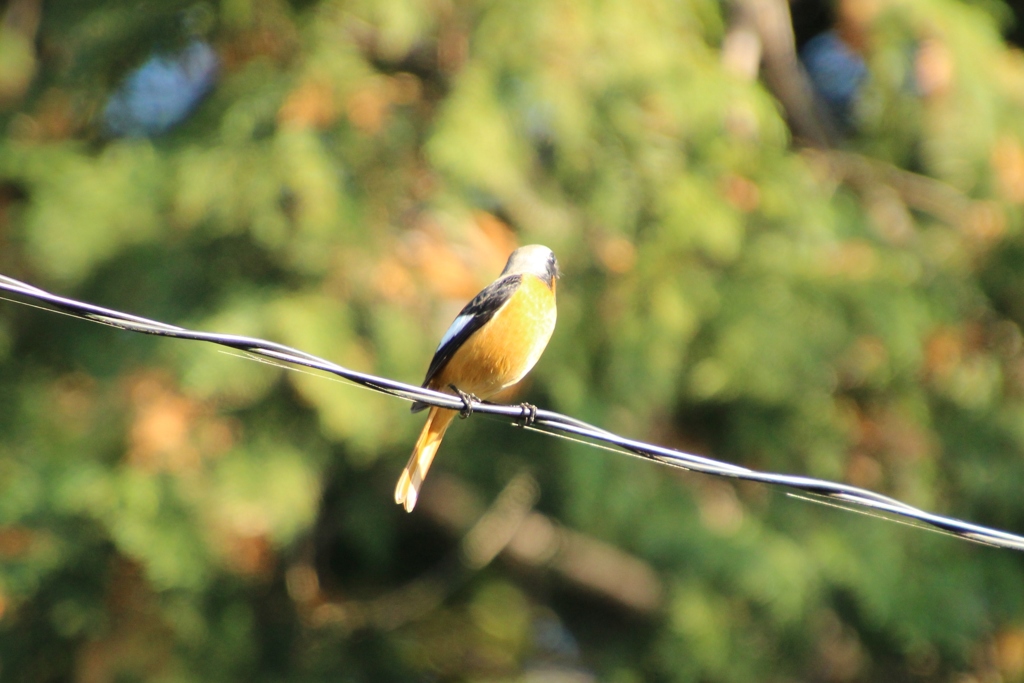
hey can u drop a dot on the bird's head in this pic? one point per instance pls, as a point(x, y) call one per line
point(533, 259)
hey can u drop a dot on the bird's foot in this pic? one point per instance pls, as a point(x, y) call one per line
point(467, 401)
point(529, 415)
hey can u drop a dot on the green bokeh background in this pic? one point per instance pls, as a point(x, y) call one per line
point(849, 310)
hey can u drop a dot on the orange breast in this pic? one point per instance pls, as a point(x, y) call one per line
point(501, 352)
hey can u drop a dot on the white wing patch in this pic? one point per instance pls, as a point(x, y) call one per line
point(457, 326)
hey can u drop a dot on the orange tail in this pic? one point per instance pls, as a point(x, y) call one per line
point(408, 489)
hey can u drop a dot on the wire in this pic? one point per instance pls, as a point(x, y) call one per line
point(544, 420)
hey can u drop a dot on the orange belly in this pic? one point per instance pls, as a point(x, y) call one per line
point(501, 352)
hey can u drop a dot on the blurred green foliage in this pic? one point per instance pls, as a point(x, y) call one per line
point(359, 170)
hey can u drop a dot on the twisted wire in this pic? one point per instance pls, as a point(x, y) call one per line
point(545, 420)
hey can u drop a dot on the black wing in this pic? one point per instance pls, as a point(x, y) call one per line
point(470, 319)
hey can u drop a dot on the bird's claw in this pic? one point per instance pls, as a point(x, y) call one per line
point(529, 415)
point(467, 401)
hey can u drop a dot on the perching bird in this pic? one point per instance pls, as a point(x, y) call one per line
point(496, 339)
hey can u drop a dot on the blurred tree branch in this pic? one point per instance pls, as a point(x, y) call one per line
point(764, 29)
point(509, 527)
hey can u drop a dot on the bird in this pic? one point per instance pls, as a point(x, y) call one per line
point(492, 344)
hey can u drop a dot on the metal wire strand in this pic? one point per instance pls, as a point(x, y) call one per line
point(545, 420)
